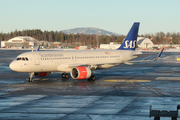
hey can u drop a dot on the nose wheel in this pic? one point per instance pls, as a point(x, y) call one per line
point(31, 77)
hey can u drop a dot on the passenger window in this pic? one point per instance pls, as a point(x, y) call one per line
point(23, 59)
point(26, 59)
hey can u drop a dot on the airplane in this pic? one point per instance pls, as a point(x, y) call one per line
point(80, 63)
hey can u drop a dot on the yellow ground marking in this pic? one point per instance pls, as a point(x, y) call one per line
point(37, 79)
point(127, 81)
point(44, 79)
point(178, 59)
point(40, 79)
point(167, 78)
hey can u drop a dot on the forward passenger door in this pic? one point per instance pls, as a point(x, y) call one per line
point(36, 59)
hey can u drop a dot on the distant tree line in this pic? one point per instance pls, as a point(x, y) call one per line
point(162, 38)
point(72, 39)
point(88, 39)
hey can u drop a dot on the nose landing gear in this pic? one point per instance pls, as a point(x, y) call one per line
point(31, 77)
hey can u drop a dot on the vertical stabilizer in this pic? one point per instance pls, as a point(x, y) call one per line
point(130, 41)
point(39, 47)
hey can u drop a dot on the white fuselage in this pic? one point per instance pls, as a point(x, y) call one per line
point(50, 61)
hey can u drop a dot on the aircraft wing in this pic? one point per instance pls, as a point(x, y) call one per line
point(94, 64)
point(116, 63)
point(143, 54)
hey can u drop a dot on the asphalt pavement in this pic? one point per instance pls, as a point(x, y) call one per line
point(122, 92)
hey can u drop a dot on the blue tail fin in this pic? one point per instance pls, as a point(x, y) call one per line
point(130, 41)
point(39, 48)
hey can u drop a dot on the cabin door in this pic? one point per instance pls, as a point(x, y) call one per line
point(36, 59)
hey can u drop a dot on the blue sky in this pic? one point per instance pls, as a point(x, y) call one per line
point(112, 15)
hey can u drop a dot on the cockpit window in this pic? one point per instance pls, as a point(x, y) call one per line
point(18, 59)
point(23, 58)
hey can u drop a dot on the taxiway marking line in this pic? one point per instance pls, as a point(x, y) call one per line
point(167, 78)
point(127, 81)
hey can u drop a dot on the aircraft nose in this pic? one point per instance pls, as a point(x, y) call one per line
point(11, 66)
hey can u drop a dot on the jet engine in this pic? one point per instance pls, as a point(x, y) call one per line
point(42, 74)
point(81, 72)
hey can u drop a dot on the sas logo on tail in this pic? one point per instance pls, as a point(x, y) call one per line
point(131, 44)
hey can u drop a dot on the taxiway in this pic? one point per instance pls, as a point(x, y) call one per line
point(122, 92)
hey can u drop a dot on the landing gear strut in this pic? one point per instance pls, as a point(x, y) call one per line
point(65, 75)
point(31, 77)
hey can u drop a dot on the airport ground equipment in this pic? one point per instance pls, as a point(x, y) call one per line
point(164, 113)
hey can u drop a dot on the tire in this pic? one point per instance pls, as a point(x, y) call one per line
point(173, 118)
point(92, 78)
point(63, 75)
point(156, 118)
point(30, 80)
point(67, 76)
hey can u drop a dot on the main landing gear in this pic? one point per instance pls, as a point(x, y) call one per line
point(65, 75)
point(31, 77)
point(92, 78)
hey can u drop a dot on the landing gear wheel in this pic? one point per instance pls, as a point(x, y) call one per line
point(173, 118)
point(156, 118)
point(30, 79)
point(92, 78)
point(65, 75)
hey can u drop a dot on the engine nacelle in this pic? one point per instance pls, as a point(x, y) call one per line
point(42, 74)
point(81, 72)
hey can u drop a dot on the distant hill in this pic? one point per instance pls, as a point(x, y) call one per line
point(89, 30)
